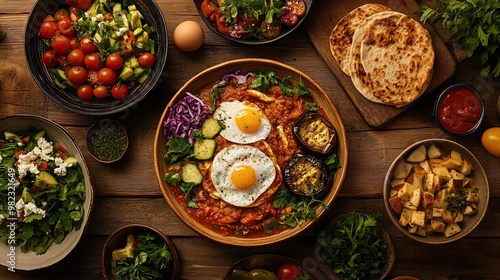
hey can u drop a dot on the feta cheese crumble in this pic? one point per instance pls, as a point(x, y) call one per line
point(28, 208)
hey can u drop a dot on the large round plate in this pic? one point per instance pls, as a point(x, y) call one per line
point(214, 73)
point(56, 252)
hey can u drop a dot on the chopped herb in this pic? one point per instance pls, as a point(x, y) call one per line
point(214, 96)
point(332, 162)
point(108, 142)
point(178, 149)
point(457, 201)
point(187, 189)
point(301, 208)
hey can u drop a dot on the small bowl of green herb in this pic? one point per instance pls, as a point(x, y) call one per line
point(139, 252)
point(107, 141)
point(355, 246)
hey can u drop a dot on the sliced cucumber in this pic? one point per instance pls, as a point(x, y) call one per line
point(204, 149)
point(11, 136)
point(191, 174)
point(210, 128)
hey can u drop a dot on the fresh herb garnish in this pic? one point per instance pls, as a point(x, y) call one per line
point(311, 107)
point(151, 259)
point(354, 247)
point(187, 189)
point(332, 162)
point(457, 201)
point(301, 209)
point(474, 26)
point(178, 149)
point(270, 9)
point(264, 80)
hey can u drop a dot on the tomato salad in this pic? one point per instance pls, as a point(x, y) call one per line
point(260, 19)
point(99, 48)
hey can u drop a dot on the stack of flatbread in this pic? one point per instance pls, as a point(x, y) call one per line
point(388, 55)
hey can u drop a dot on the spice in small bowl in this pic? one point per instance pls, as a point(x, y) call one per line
point(459, 110)
point(107, 140)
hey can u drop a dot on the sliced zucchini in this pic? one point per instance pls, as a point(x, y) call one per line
point(210, 128)
point(204, 149)
point(191, 174)
point(11, 136)
point(39, 134)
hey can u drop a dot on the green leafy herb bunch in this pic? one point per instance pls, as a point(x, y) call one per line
point(475, 27)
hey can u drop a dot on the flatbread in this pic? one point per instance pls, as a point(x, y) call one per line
point(391, 58)
point(341, 35)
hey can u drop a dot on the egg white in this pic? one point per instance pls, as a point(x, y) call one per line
point(230, 158)
point(227, 112)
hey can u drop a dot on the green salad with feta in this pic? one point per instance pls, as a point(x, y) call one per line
point(42, 191)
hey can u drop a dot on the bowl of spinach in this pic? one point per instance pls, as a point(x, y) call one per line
point(138, 251)
point(354, 246)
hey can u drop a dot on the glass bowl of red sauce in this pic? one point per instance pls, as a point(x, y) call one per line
point(459, 110)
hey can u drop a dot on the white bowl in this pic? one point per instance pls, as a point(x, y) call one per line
point(56, 252)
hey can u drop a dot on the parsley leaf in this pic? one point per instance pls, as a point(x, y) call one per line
point(301, 208)
point(474, 26)
point(178, 149)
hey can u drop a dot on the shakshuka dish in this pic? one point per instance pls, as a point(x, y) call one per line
point(250, 154)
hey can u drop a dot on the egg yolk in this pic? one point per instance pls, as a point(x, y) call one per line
point(243, 177)
point(248, 120)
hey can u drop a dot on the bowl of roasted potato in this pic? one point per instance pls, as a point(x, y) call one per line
point(436, 191)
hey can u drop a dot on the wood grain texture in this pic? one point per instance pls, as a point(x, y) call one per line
point(127, 192)
point(324, 18)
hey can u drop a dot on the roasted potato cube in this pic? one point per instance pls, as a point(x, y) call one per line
point(425, 165)
point(447, 217)
point(405, 217)
point(427, 199)
point(452, 229)
point(438, 225)
point(435, 151)
point(396, 204)
point(418, 155)
point(470, 209)
point(408, 205)
point(466, 167)
point(437, 212)
point(416, 197)
point(472, 197)
point(452, 163)
point(459, 217)
point(397, 183)
point(405, 192)
point(441, 171)
point(418, 218)
point(429, 182)
point(421, 231)
point(402, 170)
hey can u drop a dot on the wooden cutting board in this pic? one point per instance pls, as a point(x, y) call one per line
point(323, 17)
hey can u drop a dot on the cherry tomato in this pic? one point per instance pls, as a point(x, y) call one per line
point(83, 4)
point(288, 18)
point(48, 29)
point(108, 16)
point(207, 8)
point(76, 57)
point(270, 30)
point(61, 14)
point(93, 61)
point(60, 44)
point(107, 76)
point(49, 18)
point(296, 7)
point(288, 271)
point(146, 59)
point(85, 92)
point(101, 92)
point(49, 58)
point(491, 140)
point(66, 27)
point(119, 91)
point(221, 23)
point(87, 45)
point(73, 43)
point(114, 61)
point(78, 75)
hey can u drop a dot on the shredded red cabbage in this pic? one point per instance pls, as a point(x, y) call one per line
point(185, 116)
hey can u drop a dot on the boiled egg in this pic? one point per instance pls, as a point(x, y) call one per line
point(244, 122)
point(240, 174)
point(188, 36)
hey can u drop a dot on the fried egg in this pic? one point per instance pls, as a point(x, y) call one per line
point(245, 122)
point(240, 174)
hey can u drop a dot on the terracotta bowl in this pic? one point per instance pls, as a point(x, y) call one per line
point(68, 98)
point(328, 271)
point(102, 124)
point(118, 239)
point(480, 181)
point(213, 74)
point(267, 262)
point(253, 41)
point(56, 252)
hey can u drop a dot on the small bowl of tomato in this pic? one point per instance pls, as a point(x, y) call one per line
point(267, 265)
point(89, 62)
point(459, 110)
point(253, 27)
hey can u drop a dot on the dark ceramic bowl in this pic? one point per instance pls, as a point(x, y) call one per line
point(267, 262)
point(118, 239)
point(99, 126)
point(465, 97)
point(68, 98)
point(253, 41)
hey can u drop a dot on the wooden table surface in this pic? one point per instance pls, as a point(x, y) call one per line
point(127, 191)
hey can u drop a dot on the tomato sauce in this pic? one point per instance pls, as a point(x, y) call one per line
point(460, 110)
